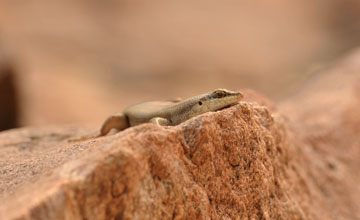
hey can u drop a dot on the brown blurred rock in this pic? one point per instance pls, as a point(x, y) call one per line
point(8, 96)
point(325, 116)
point(245, 162)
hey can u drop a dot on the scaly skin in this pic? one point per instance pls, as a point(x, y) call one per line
point(168, 113)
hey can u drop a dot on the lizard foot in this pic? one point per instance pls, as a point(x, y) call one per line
point(160, 121)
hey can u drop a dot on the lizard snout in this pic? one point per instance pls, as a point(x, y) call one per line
point(240, 95)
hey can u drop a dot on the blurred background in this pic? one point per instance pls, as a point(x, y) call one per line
point(77, 61)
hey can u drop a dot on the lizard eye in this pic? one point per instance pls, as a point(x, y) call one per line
point(200, 102)
point(219, 95)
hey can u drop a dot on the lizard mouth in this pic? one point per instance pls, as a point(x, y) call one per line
point(228, 106)
point(232, 99)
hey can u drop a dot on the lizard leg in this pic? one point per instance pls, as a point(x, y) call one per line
point(116, 121)
point(160, 121)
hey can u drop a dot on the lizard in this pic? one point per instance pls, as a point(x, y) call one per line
point(167, 113)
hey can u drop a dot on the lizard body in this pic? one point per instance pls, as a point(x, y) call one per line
point(168, 112)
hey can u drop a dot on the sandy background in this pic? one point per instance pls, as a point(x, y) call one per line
point(79, 61)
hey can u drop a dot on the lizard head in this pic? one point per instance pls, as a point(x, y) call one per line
point(216, 100)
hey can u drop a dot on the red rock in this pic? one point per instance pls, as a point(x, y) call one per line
point(249, 161)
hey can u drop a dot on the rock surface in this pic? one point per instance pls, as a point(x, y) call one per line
point(255, 160)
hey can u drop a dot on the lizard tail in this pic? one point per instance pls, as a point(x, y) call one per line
point(84, 138)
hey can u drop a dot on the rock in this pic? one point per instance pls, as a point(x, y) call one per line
point(298, 160)
point(326, 118)
point(8, 95)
